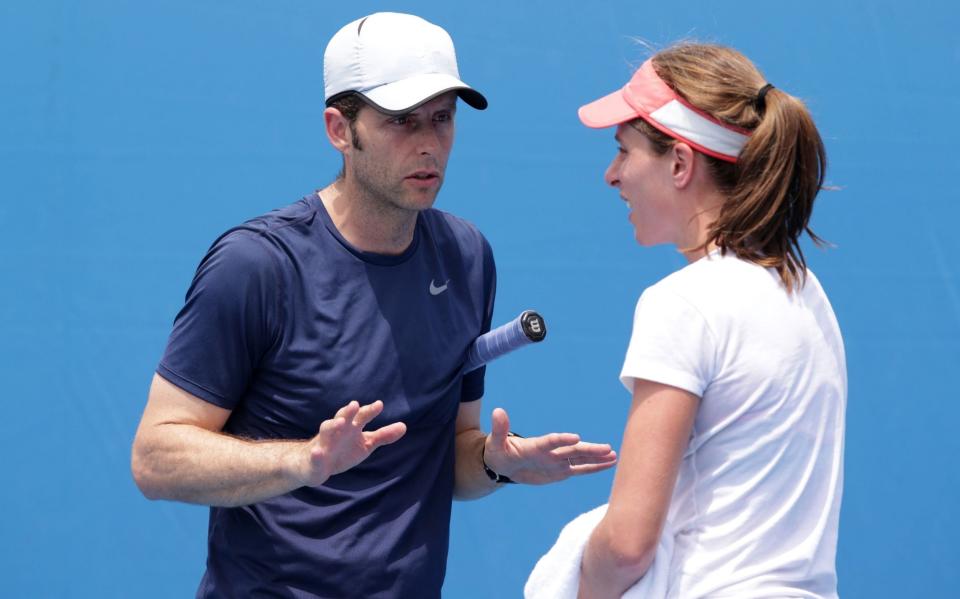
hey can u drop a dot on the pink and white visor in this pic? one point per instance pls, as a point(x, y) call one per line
point(648, 97)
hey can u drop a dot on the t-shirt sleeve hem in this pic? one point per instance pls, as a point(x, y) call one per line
point(659, 373)
point(194, 389)
point(472, 394)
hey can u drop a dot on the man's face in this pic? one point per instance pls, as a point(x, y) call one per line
point(403, 158)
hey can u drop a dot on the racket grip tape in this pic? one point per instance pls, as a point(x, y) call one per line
point(527, 328)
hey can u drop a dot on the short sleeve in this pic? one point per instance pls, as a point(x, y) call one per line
point(671, 344)
point(473, 382)
point(227, 322)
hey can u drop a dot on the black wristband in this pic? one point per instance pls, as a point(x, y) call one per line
point(495, 476)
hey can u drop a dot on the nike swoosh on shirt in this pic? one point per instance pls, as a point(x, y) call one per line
point(434, 290)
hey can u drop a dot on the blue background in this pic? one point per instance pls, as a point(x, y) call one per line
point(133, 133)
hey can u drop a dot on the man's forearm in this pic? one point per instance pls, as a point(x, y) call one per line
point(471, 481)
point(187, 463)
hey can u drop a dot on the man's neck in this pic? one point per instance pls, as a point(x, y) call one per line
point(367, 225)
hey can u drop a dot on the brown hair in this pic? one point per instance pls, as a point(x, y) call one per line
point(771, 188)
point(349, 105)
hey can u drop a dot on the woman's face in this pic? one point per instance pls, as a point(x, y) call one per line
point(645, 182)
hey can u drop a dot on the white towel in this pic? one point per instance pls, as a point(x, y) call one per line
point(557, 574)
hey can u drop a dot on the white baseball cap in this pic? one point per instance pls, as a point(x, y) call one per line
point(395, 61)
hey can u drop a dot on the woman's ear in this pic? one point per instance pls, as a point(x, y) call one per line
point(684, 164)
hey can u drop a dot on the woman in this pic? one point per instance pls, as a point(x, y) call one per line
point(733, 447)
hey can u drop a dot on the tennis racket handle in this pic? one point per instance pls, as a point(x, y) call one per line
point(527, 328)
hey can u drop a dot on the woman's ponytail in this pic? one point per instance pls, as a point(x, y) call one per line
point(779, 173)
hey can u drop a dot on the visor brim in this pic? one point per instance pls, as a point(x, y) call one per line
point(608, 111)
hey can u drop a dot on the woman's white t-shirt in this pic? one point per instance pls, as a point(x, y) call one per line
point(756, 506)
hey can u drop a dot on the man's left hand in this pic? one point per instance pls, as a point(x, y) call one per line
point(544, 459)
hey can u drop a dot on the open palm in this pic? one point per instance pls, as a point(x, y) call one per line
point(544, 459)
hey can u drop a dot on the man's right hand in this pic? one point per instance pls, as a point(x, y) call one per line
point(342, 443)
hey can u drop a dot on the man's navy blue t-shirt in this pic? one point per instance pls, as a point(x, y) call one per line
point(284, 324)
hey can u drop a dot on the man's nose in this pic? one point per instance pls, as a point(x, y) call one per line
point(428, 140)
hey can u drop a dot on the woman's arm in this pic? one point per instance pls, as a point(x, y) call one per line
point(623, 545)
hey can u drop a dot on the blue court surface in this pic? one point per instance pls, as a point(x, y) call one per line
point(133, 133)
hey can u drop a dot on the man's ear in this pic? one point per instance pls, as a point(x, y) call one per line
point(338, 129)
point(684, 164)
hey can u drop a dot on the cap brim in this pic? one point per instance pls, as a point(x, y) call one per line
point(407, 94)
point(608, 111)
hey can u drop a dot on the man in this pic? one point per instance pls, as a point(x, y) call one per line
point(350, 311)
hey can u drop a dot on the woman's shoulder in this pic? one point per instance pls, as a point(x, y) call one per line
point(709, 274)
point(721, 285)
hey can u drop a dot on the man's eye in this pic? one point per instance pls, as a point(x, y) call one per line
point(443, 117)
point(401, 120)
